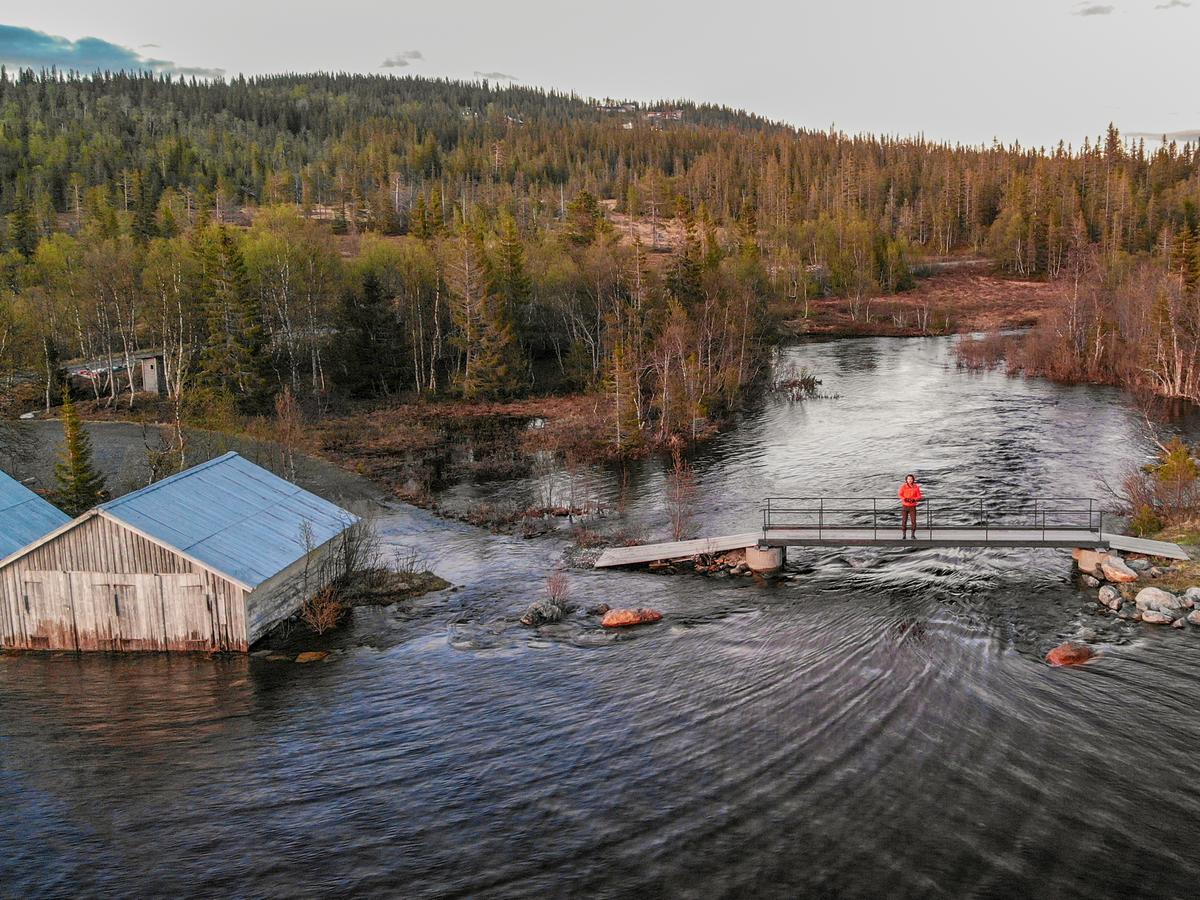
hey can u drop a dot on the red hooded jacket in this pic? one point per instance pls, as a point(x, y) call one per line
point(910, 494)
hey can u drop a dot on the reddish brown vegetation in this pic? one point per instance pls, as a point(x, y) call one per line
point(950, 302)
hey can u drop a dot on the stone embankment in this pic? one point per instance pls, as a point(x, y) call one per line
point(1126, 591)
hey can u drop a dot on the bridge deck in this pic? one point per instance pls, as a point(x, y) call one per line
point(872, 537)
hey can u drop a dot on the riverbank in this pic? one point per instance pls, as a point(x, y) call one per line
point(959, 301)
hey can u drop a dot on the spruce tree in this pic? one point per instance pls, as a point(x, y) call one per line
point(367, 352)
point(80, 486)
point(232, 361)
point(22, 229)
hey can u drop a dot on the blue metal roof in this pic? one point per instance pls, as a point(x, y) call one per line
point(233, 516)
point(24, 516)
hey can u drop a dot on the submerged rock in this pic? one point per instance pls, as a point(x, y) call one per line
point(599, 609)
point(312, 656)
point(619, 618)
point(1070, 654)
point(1115, 570)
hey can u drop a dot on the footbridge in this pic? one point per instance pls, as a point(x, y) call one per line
point(876, 522)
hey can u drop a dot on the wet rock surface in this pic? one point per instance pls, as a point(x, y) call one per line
point(621, 618)
point(1070, 654)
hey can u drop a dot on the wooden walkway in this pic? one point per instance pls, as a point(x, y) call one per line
point(880, 537)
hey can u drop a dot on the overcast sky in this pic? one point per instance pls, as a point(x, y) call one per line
point(956, 70)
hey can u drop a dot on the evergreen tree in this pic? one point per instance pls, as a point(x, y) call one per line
point(367, 352)
point(507, 276)
point(232, 361)
point(22, 229)
point(583, 219)
point(80, 485)
point(499, 369)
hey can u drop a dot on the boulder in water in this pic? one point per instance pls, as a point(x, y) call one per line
point(1110, 597)
point(1070, 654)
point(1191, 597)
point(1159, 600)
point(1154, 617)
point(1090, 581)
point(619, 618)
point(1088, 561)
point(1194, 617)
point(599, 609)
point(543, 612)
point(1115, 570)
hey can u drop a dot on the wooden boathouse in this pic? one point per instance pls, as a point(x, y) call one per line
point(209, 559)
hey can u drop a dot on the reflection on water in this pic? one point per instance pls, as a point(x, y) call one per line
point(880, 723)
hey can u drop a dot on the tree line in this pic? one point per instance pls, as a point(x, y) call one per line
point(343, 237)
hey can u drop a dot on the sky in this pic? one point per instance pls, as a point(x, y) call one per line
point(961, 71)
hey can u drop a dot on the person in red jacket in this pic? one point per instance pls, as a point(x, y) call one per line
point(910, 496)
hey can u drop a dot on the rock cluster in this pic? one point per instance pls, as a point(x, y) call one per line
point(1121, 595)
point(719, 565)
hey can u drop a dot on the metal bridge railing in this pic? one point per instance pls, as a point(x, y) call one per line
point(1042, 514)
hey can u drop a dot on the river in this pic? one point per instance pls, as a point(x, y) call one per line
point(881, 724)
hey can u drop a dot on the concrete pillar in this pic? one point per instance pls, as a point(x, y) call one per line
point(764, 559)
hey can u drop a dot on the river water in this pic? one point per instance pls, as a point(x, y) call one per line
point(880, 724)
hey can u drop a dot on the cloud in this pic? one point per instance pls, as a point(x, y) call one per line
point(1184, 136)
point(496, 76)
point(148, 45)
point(36, 49)
point(1174, 4)
point(1095, 9)
point(401, 59)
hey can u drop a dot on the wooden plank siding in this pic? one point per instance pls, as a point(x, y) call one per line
point(281, 595)
point(101, 586)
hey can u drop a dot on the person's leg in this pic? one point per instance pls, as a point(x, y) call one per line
point(910, 512)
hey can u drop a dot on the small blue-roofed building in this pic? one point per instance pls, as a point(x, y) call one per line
point(24, 516)
point(210, 559)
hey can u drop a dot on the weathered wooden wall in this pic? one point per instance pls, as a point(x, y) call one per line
point(100, 586)
point(281, 595)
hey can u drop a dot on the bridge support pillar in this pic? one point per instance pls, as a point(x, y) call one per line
point(764, 559)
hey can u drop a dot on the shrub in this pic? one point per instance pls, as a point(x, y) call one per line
point(1145, 522)
point(324, 610)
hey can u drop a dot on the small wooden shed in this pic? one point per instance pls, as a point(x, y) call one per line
point(209, 559)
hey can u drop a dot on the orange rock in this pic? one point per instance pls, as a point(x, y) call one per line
point(617, 618)
point(1115, 570)
point(311, 656)
point(1070, 654)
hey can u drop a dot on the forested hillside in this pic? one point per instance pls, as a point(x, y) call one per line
point(356, 237)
